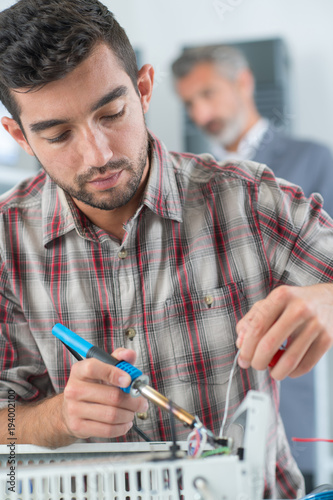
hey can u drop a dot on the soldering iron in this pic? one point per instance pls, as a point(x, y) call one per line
point(81, 348)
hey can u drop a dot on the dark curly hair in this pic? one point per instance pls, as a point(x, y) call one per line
point(43, 40)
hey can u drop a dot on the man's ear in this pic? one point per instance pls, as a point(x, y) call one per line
point(145, 85)
point(15, 131)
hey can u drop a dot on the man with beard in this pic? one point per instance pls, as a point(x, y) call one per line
point(217, 87)
point(166, 260)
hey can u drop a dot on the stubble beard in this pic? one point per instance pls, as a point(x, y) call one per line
point(114, 197)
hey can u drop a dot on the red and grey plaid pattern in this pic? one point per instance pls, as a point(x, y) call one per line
point(208, 241)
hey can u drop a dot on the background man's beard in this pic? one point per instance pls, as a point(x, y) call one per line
point(231, 131)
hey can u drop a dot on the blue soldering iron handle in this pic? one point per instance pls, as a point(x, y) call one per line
point(87, 350)
point(97, 353)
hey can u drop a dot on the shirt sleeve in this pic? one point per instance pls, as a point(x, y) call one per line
point(21, 366)
point(297, 233)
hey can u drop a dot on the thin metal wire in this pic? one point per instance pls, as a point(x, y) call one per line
point(226, 407)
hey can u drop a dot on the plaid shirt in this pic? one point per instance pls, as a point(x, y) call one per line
point(208, 241)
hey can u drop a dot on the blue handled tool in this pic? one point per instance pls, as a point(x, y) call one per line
point(81, 348)
point(77, 345)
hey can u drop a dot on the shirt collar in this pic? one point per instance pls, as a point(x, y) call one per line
point(60, 214)
point(162, 194)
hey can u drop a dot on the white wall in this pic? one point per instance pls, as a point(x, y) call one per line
point(24, 165)
point(160, 29)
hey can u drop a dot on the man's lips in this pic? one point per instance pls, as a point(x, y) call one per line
point(105, 182)
point(213, 127)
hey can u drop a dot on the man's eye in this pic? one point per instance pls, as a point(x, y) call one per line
point(60, 138)
point(115, 116)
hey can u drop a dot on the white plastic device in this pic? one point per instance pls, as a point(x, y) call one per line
point(143, 471)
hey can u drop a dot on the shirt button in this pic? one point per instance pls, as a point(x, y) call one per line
point(209, 300)
point(143, 415)
point(130, 333)
point(122, 254)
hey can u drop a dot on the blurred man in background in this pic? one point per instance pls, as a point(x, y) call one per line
point(217, 87)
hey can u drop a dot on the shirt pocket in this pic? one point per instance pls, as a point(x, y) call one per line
point(203, 333)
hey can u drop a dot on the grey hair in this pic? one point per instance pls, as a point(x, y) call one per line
point(229, 60)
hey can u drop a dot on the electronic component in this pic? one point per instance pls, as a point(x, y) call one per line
point(79, 471)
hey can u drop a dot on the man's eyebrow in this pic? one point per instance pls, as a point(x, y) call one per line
point(43, 125)
point(109, 97)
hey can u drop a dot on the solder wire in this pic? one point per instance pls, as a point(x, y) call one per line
point(226, 407)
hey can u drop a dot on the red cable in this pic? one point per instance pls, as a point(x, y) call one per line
point(311, 440)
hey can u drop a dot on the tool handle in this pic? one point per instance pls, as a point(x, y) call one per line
point(85, 349)
point(71, 339)
point(97, 353)
point(276, 357)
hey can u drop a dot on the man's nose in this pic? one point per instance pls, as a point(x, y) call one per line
point(96, 149)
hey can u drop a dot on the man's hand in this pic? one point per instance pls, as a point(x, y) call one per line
point(302, 316)
point(93, 404)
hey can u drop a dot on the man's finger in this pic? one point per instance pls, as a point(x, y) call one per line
point(269, 324)
point(301, 342)
point(288, 330)
point(95, 370)
point(84, 429)
point(255, 325)
point(125, 355)
point(85, 391)
point(317, 349)
point(100, 413)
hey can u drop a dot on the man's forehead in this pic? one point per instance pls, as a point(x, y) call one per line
point(201, 77)
point(92, 81)
point(205, 69)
